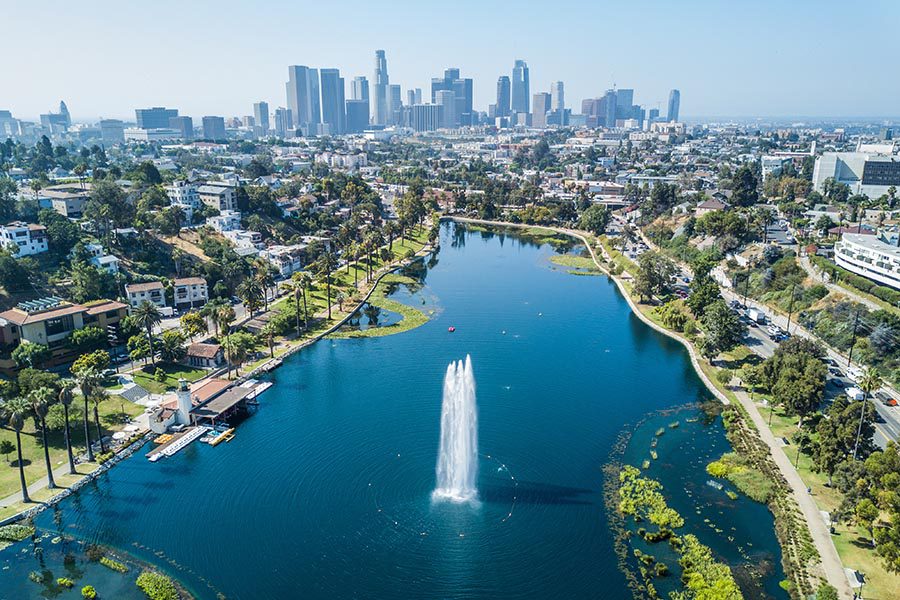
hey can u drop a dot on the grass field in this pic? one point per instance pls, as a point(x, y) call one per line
point(146, 377)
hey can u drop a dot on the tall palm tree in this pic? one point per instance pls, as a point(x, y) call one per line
point(268, 334)
point(40, 399)
point(16, 410)
point(868, 383)
point(65, 398)
point(305, 281)
point(266, 280)
point(147, 316)
point(291, 287)
point(251, 292)
point(98, 396)
point(223, 318)
point(208, 312)
point(326, 265)
point(88, 380)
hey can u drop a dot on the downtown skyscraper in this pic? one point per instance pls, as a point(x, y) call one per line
point(502, 107)
point(333, 110)
point(462, 95)
point(303, 98)
point(521, 88)
point(380, 83)
point(261, 118)
point(674, 105)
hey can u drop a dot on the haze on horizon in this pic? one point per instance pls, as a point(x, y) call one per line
point(768, 59)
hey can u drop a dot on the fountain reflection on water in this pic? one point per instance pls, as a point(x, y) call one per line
point(457, 465)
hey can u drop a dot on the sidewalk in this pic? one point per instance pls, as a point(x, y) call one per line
point(821, 535)
point(815, 274)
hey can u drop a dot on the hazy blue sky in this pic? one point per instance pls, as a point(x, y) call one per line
point(765, 57)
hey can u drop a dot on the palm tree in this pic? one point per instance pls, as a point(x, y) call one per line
point(98, 396)
point(209, 311)
point(87, 380)
point(326, 265)
point(304, 280)
point(251, 292)
point(17, 410)
point(268, 334)
point(390, 230)
point(40, 399)
point(868, 383)
point(223, 318)
point(147, 316)
point(266, 280)
point(65, 398)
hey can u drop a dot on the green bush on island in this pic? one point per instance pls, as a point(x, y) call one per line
point(88, 592)
point(746, 478)
point(826, 592)
point(65, 582)
point(113, 564)
point(15, 533)
point(36, 576)
point(157, 586)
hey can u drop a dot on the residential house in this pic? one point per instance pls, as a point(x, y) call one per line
point(227, 220)
point(24, 239)
point(152, 292)
point(205, 356)
point(220, 197)
point(709, 206)
point(190, 292)
point(68, 199)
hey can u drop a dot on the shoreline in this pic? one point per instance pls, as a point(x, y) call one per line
point(829, 562)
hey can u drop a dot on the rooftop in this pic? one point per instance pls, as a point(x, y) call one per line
point(144, 287)
point(871, 242)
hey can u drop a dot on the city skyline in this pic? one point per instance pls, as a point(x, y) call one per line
point(720, 66)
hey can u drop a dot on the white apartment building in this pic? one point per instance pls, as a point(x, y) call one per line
point(152, 292)
point(287, 260)
point(102, 260)
point(870, 257)
point(227, 220)
point(183, 192)
point(24, 239)
point(220, 197)
point(245, 240)
point(190, 292)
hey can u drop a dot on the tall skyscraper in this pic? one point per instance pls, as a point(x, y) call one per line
point(359, 89)
point(395, 103)
point(333, 116)
point(303, 98)
point(462, 93)
point(558, 96)
point(380, 83)
point(624, 102)
point(154, 118)
point(609, 118)
point(284, 122)
point(411, 97)
point(503, 98)
point(446, 99)
point(357, 116)
point(214, 128)
point(64, 112)
point(540, 106)
point(519, 99)
point(674, 104)
point(261, 118)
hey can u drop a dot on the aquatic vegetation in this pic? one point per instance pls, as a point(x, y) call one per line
point(88, 592)
point(660, 431)
point(113, 564)
point(157, 586)
point(653, 454)
point(36, 576)
point(747, 479)
point(646, 464)
point(731, 494)
point(14, 533)
point(674, 425)
point(65, 582)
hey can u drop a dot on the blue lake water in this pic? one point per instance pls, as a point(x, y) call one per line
point(325, 491)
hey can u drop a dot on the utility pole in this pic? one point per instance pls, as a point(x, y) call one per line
point(791, 308)
point(853, 340)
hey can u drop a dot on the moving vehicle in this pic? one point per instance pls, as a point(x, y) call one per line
point(885, 399)
point(756, 315)
point(855, 393)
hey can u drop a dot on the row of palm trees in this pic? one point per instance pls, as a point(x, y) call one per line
point(37, 403)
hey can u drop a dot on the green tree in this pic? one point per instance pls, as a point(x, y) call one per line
point(171, 346)
point(147, 316)
point(594, 219)
point(325, 267)
point(654, 275)
point(28, 354)
point(866, 515)
point(88, 339)
point(6, 446)
point(65, 398)
point(41, 399)
point(251, 294)
point(88, 380)
point(722, 329)
point(744, 186)
point(238, 346)
point(193, 324)
point(869, 382)
point(16, 410)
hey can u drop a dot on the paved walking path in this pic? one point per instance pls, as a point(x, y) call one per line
point(820, 532)
point(813, 272)
point(40, 484)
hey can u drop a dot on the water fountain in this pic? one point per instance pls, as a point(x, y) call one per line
point(457, 465)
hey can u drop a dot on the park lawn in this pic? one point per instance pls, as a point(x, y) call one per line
point(111, 419)
point(578, 262)
point(146, 378)
point(855, 552)
point(44, 494)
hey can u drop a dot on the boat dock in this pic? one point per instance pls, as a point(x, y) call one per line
point(177, 443)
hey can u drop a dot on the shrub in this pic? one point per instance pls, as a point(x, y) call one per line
point(36, 577)
point(16, 533)
point(157, 586)
point(102, 458)
point(113, 564)
point(724, 376)
point(88, 592)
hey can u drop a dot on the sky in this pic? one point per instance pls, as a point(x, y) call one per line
point(729, 58)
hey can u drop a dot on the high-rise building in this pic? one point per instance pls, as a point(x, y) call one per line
point(411, 97)
point(112, 131)
point(395, 103)
point(674, 105)
point(380, 83)
point(64, 112)
point(653, 115)
point(425, 117)
point(503, 98)
point(359, 89)
point(610, 104)
point(261, 118)
point(540, 103)
point(214, 128)
point(357, 116)
point(624, 102)
point(303, 98)
point(154, 118)
point(284, 122)
point(446, 99)
point(557, 96)
point(462, 93)
point(184, 126)
point(519, 97)
point(333, 107)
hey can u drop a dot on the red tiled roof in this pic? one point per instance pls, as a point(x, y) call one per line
point(201, 350)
